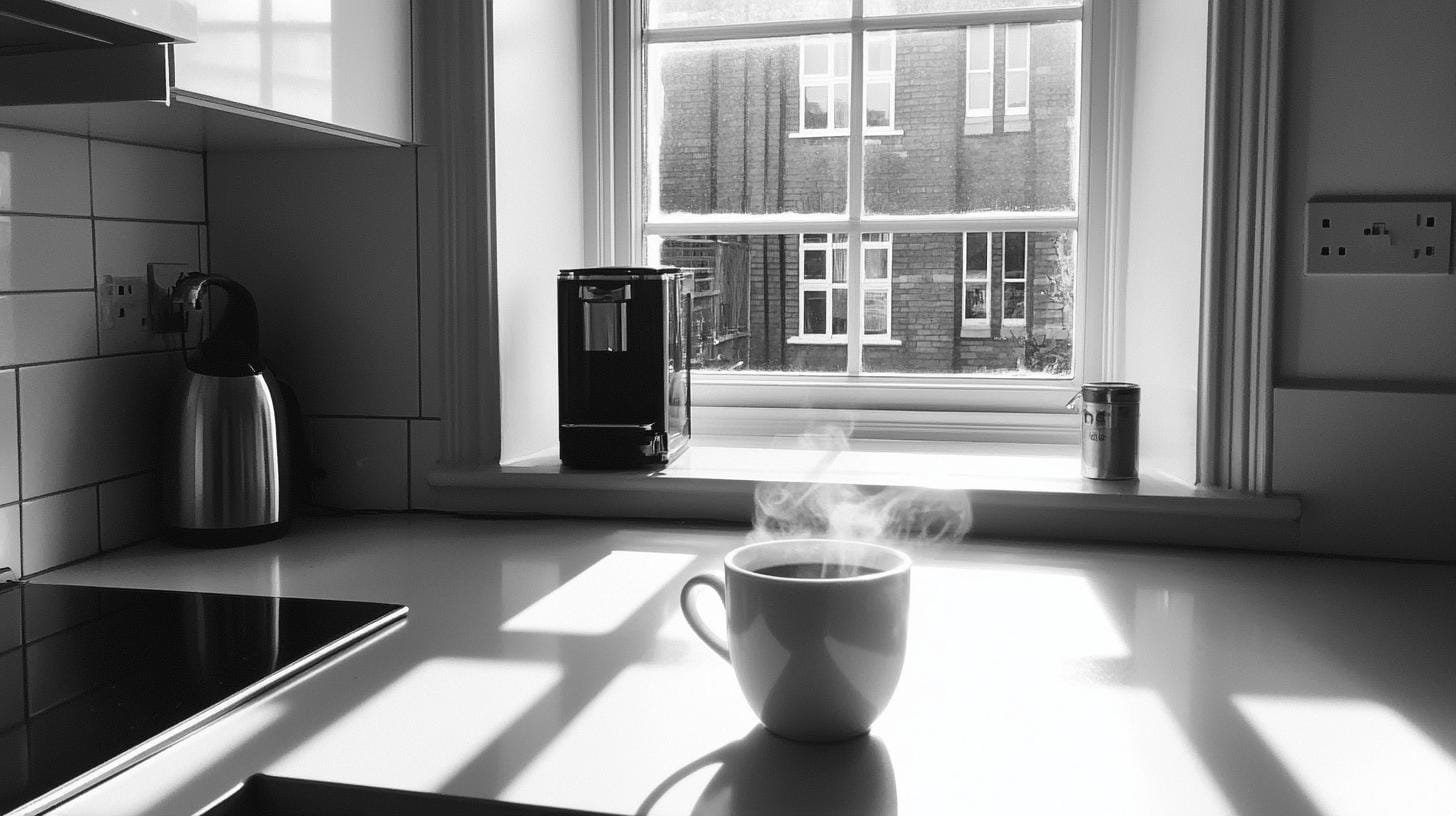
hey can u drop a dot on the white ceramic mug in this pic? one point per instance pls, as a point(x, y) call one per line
point(816, 632)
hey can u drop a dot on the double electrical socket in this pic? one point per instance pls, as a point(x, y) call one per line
point(1378, 237)
point(134, 313)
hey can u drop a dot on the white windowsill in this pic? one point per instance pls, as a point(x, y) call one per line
point(1016, 490)
point(815, 134)
point(838, 340)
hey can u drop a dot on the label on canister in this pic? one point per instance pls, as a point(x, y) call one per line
point(1110, 430)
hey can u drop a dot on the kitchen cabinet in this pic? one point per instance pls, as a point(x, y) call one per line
point(338, 64)
point(260, 75)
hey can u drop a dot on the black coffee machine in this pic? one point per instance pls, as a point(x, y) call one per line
point(623, 362)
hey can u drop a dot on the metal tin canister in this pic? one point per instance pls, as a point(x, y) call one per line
point(1110, 430)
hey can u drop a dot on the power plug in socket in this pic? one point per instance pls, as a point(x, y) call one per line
point(1375, 236)
point(166, 316)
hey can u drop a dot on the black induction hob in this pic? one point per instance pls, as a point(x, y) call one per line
point(94, 679)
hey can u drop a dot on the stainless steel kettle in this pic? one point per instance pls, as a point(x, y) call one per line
point(226, 465)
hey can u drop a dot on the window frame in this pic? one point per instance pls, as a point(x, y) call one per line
point(1094, 316)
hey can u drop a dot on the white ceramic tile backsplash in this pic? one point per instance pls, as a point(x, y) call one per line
point(39, 252)
point(9, 440)
point(130, 510)
point(58, 529)
point(46, 173)
point(10, 537)
point(90, 420)
point(365, 463)
point(123, 250)
point(79, 431)
point(147, 183)
point(45, 326)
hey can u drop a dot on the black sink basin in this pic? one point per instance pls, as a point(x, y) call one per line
point(280, 796)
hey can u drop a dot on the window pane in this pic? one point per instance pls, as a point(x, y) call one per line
point(951, 166)
point(976, 302)
point(930, 299)
point(841, 265)
point(1016, 89)
point(840, 316)
point(841, 105)
point(841, 56)
point(814, 318)
point(882, 7)
point(814, 265)
point(877, 104)
point(876, 313)
point(747, 299)
point(816, 107)
point(1014, 307)
point(878, 51)
point(1017, 38)
point(816, 56)
point(978, 92)
point(979, 51)
point(976, 260)
point(1015, 259)
point(877, 263)
point(719, 119)
point(673, 13)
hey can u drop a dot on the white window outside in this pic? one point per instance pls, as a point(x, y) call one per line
point(980, 90)
point(976, 285)
point(1018, 70)
point(1013, 278)
point(824, 286)
point(824, 99)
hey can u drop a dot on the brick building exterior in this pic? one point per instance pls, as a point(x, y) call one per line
point(737, 137)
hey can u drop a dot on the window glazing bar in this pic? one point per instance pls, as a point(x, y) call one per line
point(798, 28)
point(781, 224)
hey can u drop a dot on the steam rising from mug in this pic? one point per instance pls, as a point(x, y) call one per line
point(902, 516)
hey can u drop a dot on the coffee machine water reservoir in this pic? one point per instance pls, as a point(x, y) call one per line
point(623, 365)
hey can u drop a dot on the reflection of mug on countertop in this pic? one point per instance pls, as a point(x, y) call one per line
point(762, 775)
point(816, 632)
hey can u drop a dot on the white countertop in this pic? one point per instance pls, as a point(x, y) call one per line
point(547, 662)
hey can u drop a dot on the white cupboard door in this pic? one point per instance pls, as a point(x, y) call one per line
point(342, 62)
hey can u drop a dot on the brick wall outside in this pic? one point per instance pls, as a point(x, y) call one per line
point(729, 144)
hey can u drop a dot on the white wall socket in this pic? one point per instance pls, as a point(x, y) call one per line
point(1378, 237)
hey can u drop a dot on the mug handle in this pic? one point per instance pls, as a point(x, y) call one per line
point(709, 636)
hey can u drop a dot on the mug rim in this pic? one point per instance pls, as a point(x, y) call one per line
point(902, 561)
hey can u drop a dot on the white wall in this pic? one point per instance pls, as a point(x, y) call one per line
point(1367, 365)
point(539, 205)
point(1164, 242)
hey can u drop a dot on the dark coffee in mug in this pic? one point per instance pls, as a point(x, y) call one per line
point(817, 569)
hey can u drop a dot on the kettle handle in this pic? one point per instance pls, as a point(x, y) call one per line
point(235, 335)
